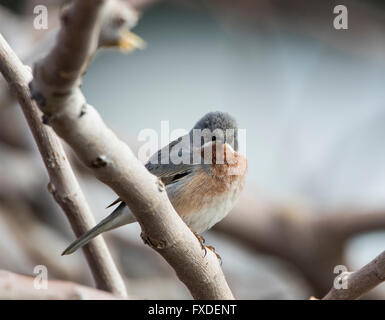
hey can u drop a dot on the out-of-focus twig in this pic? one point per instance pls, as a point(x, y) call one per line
point(18, 287)
point(348, 222)
point(27, 236)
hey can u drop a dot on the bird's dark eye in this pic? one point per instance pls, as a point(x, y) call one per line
point(214, 138)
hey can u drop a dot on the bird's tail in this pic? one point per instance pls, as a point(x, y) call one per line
point(120, 216)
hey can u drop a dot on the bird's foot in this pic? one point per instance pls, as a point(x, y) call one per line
point(216, 254)
point(201, 240)
point(204, 247)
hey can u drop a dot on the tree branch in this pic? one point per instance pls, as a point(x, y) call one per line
point(63, 184)
point(361, 281)
point(56, 89)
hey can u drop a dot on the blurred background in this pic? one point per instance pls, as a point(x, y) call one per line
point(311, 100)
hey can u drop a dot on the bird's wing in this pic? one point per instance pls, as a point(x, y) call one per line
point(168, 177)
point(161, 165)
point(168, 172)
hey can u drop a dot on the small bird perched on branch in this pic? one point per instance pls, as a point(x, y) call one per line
point(203, 187)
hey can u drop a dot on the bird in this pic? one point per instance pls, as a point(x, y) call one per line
point(203, 188)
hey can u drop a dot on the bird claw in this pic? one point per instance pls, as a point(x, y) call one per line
point(200, 239)
point(202, 242)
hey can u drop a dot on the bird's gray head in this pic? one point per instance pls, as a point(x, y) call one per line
point(219, 126)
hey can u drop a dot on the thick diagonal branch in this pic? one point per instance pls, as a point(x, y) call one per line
point(56, 89)
point(63, 184)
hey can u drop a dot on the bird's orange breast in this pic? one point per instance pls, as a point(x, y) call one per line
point(198, 191)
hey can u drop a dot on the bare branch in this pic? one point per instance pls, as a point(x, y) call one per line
point(14, 286)
point(63, 184)
point(361, 281)
point(56, 89)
